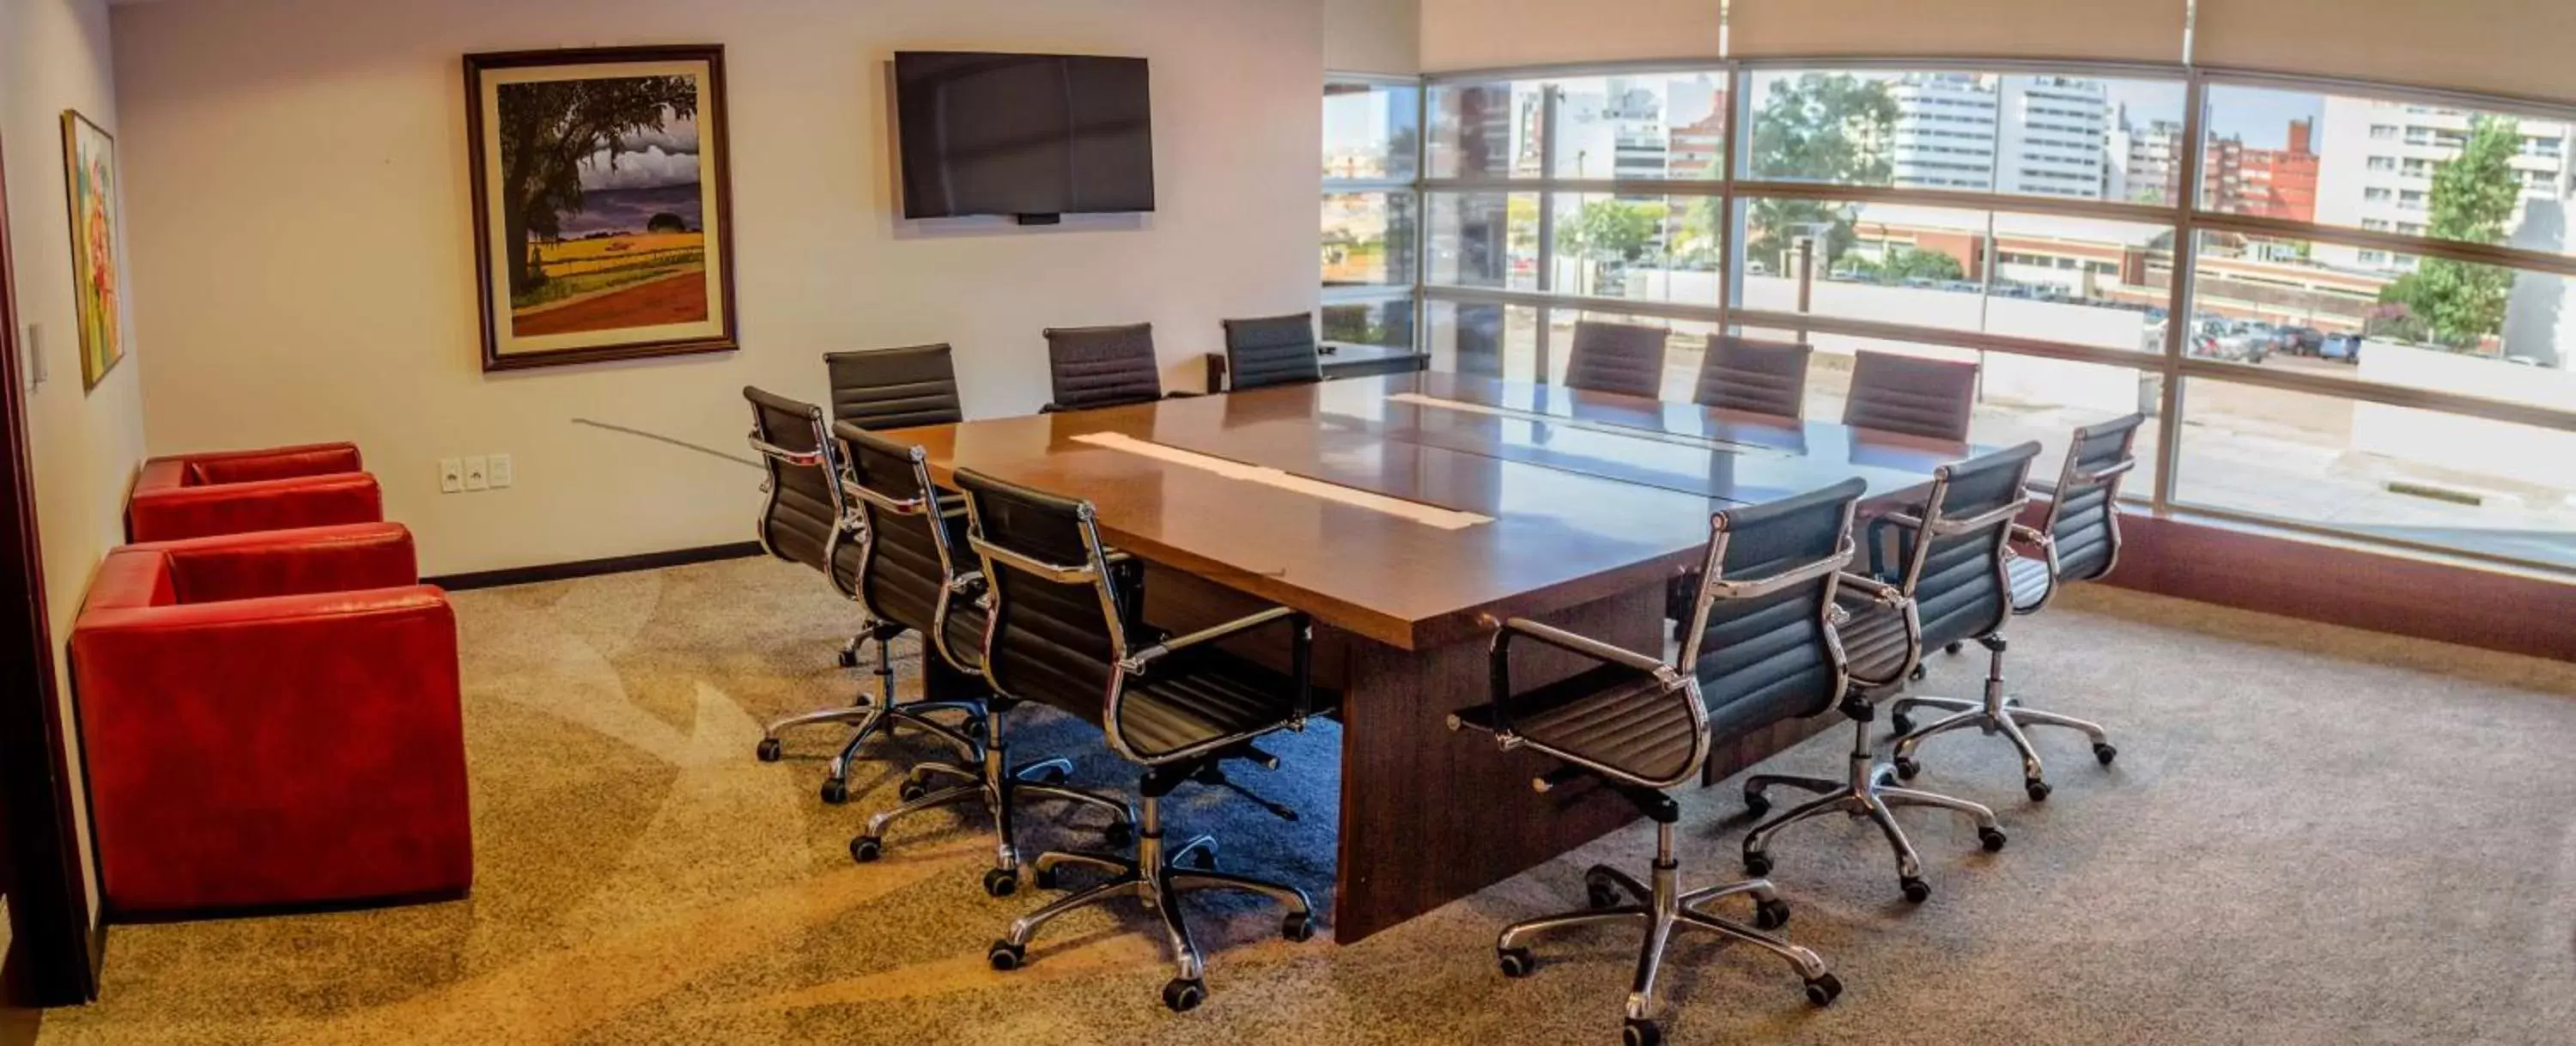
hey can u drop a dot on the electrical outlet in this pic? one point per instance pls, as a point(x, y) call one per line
point(499, 470)
point(34, 364)
point(451, 475)
point(478, 473)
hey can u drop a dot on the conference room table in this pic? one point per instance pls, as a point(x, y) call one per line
point(1407, 515)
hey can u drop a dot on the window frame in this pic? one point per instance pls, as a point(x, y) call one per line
point(1410, 188)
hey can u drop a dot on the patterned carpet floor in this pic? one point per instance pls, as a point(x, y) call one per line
point(2312, 836)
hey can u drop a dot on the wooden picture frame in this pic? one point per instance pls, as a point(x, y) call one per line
point(603, 204)
point(90, 191)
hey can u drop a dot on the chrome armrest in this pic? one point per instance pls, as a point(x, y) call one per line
point(1886, 594)
point(2032, 536)
point(1584, 645)
point(2118, 468)
point(802, 459)
point(1134, 664)
point(1982, 520)
point(967, 583)
point(1763, 586)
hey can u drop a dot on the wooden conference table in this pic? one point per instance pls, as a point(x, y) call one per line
point(1406, 514)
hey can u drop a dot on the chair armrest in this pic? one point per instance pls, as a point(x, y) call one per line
point(351, 558)
point(1135, 664)
point(1894, 599)
point(1886, 594)
point(774, 452)
point(274, 504)
point(245, 466)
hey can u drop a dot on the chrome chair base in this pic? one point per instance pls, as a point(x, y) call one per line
point(1659, 910)
point(1865, 793)
point(1157, 879)
point(870, 716)
point(1001, 788)
point(1996, 714)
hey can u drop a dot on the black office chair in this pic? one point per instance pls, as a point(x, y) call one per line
point(908, 579)
point(2079, 541)
point(1911, 394)
point(1063, 614)
point(1275, 350)
point(1757, 651)
point(805, 521)
point(881, 389)
point(1617, 357)
point(1102, 367)
point(1749, 374)
point(1951, 585)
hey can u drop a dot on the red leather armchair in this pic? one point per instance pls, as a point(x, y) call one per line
point(236, 492)
point(271, 720)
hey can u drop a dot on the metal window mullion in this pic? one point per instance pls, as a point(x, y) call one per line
point(2178, 303)
point(1730, 276)
point(1548, 113)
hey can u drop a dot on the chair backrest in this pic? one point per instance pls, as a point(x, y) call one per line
point(803, 520)
point(1758, 638)
point(1059, 618)
point(1955, 568)
point(1910, 394)
point(1103, 366)
point(1617, 357)
point(2084, 515)
point(1272, 350)
point(911, 540)
point(1765, 377)
point(894, 388)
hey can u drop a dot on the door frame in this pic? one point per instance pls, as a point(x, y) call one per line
point(56, 944)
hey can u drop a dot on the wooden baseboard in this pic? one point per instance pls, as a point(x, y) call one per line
point(594, 567)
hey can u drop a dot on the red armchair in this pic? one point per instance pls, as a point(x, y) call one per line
point(236, 492)
point(271, 720)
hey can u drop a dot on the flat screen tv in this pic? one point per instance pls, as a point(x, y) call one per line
point(1026, 135)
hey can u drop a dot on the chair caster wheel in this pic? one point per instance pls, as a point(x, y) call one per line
point(1119, 833)
point(1053, 775)
point(866, 849)
point(1641, 1032)
point(1952, 648)
point(1756, 803)
point(1042, 877)
point(1006, 956)
point(1000, 882)
point(770, 751)
point(848, 658)
point(1916, 890)
point(1907, 768)
point(1770, 915)
point(1515, 963)
point(1823, 990)
point(2104, 753)
point(911, 790)
point(1757, 864)
point(836, 792)
point(1297, 927)
point(1918, 674)
point(1202, 859)
point(1901, 723)
point(1992, 839)
point(1182, 996)
point(2037, 788)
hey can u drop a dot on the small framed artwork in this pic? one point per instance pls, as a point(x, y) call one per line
point(90, 182)
point(602, 212)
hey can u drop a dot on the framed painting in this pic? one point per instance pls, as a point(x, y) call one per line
point(90, 182)
point(602, 210)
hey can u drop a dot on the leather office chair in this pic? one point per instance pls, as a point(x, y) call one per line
point(1062, 614)
point(2078, 541)
point(1911, 395)
point(1951, 585)
point(1749, 374)
point(804, 521)
point(909, 579)
point(1274, 350)
point(1103, 367)
point(1617, 357)
point(1757, 651)
point(895, 388)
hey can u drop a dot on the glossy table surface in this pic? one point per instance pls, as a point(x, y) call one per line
point(1587, 493)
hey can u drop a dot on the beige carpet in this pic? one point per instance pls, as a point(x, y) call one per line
point(2312, 836)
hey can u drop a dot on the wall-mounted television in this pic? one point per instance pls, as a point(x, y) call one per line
point(1030, 136)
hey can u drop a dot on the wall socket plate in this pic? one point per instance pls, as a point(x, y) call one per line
point(451, 475)
point(478, 472)
point(500, 471)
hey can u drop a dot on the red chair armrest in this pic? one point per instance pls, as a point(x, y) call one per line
point(349, 558)
point(171, 513)
point(248, 466)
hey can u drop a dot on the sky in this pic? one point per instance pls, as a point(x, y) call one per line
point(664, 156)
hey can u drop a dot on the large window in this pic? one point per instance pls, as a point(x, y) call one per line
point(2342, 308)
point(1372, 213)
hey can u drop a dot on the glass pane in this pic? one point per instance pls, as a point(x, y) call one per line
point(1642, 248)
point(1495, 341)
point(1371, 131)
point(2456, 482)
point(1484, 239)
point(2445, 326)
point(1488, 130)
point(1368, 239)
point(2387, 165)
point(2081, 281)
point(2019, 398)
point(2065, 136)
point(1647, 126)
point(1683, 351)
point(1386, 323)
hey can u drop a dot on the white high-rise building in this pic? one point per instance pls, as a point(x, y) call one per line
point(2377, 174)
point(2052, 133)
point(1944, 137)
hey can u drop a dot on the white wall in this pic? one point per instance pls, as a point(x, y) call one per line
point(1373, 36)
point(54, 56)
point(298, 197)
point(1487, 34)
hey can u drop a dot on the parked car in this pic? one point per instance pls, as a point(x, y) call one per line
point(2342, 348)
point(2235, 342)
point(2302, 341)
